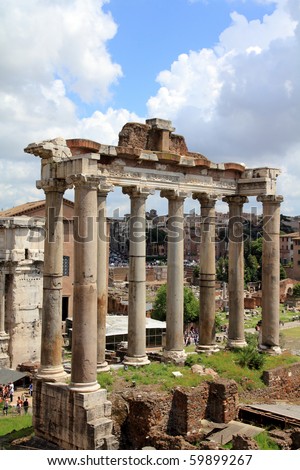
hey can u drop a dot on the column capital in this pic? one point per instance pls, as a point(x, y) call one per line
point(81, 179)
point(270, 199)
point(174, 194)
point(104, 188)
point(137, 191)
point(206, 199)
point(235, 200)
point(52, 184)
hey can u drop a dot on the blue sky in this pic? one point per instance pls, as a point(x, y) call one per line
point(225, 72)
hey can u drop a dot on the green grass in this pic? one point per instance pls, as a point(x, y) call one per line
point(160, 374)
point(224, 362)
point(293, 333)
point(264, 442)
point(154, 374)
point(15, 423)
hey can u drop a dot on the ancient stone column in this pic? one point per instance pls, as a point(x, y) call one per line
point(4, 337)
point(270, 273)
point(236, 333)
point(136, 354)
point(84, 328)
point(175, 276)
point(102, 279)
point(207, 273)
point(51, 368)
point(2, 304)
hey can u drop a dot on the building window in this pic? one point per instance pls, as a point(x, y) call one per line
point(66, 265)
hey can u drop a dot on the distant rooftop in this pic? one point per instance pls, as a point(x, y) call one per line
point(118, 324)
point(28, 208)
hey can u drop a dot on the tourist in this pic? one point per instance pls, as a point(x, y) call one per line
point(30, 388)
point(5, 407)
point(26, 406)
point(19, 405)
point(11, 391)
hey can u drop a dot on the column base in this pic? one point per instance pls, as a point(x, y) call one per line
point(103, 367)
point(84, 387)
point(207, 348)
point(236, 343)
point(4, 336)
point(52, 374)
point(136, 361)
point(272, 350)
point(177, 357)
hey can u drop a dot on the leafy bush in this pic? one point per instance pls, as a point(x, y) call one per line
point(251, 339)
point(250, 357)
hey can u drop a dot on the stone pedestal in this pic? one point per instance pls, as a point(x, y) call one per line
point(51, 368)
point(236, 333)
point(207, 274)
point(71, 420)
point(84, 334)
point(136, 354)
point(175, 278)
point(270, 274)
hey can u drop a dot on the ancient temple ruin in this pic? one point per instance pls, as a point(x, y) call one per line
point(148, 157)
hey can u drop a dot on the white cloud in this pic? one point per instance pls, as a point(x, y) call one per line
point(53, 56)
point(240, 100)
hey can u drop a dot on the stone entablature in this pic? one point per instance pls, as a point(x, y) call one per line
point(142, 158)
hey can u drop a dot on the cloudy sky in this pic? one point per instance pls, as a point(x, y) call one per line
point(225, 72)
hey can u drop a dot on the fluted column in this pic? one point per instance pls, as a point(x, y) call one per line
point(236, 333)
point(175, 276)
point(136, 354)
point(102, 279)
point(207, 273)
point(51, 368)
point(270, 273)
point(84, 333)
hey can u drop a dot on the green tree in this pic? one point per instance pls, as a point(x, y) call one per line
point(190, 305)
point(296, 290)
point(251, 269)
point(222, 269)
point(282, 272)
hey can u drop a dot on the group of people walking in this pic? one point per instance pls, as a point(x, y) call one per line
point(7, 392)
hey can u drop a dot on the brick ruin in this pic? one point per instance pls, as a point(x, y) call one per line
point(172, 420)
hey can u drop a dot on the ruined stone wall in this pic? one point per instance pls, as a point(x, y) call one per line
point(189, 406)
point(145, 412)
point(172, 420)
point(222, 401)
point(283, 382)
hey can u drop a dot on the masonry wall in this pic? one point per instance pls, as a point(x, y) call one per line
point(283, 381)
point(172, 418)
